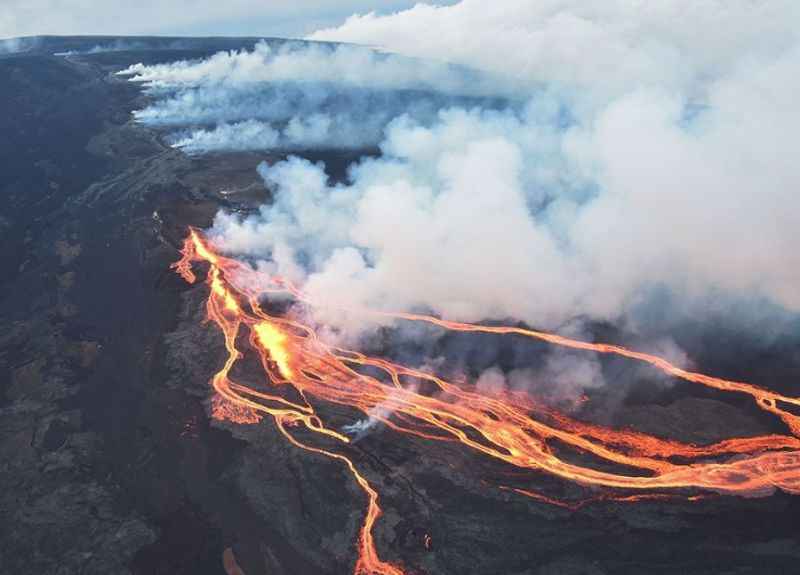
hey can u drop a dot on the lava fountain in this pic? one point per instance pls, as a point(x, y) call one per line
point(508, 428)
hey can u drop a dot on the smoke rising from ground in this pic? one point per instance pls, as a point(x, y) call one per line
point(10, 45)
point(15, 45)
point(629, 149)
point(340, 65)
point(300, 96)
point(116, 46)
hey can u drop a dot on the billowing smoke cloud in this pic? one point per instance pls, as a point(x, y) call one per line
point(600, 50)
point(441, 220)
point(597, 154)
point(496, 214)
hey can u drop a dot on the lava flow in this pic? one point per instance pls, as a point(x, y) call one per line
point(508, 428)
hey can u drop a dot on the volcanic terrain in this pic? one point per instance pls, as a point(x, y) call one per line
point(112, 462)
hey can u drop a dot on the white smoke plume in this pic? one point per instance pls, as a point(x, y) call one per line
point(561, 381)
point(341, 65)
point(10, 45)
point(496, 215)
point(633, 147)
point(302, 132)
point(16, 45)
point(300, 96)
point(380, 412)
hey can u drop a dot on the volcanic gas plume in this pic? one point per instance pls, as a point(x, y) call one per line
point(303, 372)
point(568, 165)
point(534, 161)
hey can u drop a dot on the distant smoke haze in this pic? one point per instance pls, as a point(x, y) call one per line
point(14, 45)
point(118, 46)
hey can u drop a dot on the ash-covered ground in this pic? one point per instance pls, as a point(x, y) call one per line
point(111, 463)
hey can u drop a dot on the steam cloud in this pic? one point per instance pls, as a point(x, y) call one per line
point(540, 161)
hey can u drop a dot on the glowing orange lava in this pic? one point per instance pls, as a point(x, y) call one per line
point(506, 427)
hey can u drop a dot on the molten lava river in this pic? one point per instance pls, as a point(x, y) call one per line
point(302, 370)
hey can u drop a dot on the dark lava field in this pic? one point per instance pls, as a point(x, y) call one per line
point(111, 464)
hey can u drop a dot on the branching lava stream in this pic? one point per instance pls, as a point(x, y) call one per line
point(508, 428)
